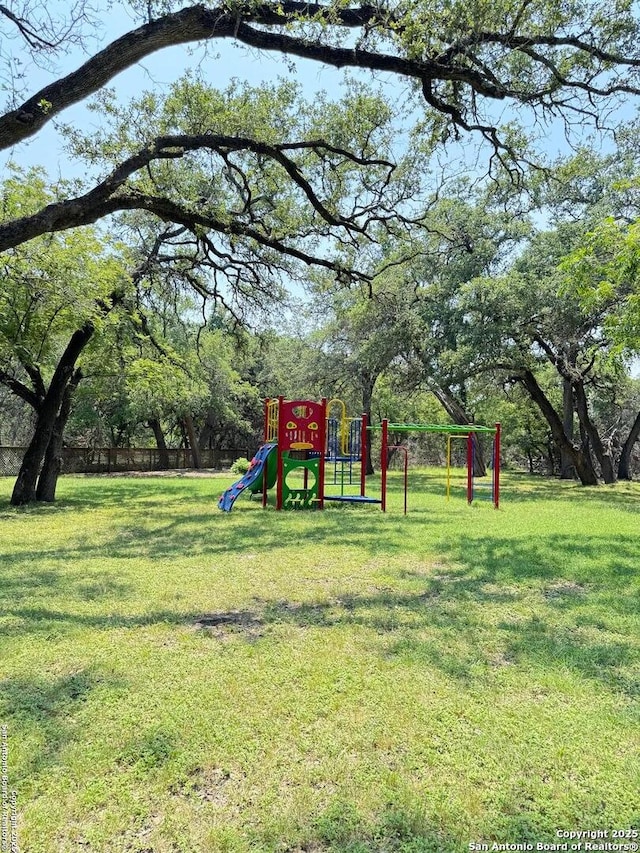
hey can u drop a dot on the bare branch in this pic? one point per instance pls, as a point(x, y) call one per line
point(19, 389)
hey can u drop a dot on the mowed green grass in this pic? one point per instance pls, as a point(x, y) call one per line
point(174, 678)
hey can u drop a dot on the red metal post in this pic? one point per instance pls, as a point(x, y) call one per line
point(363, 455)
point(384, 450)
point(281, 424)
point(265, 438)
point(470, 468)
point(496, 466)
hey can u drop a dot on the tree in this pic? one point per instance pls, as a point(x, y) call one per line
point(40, 38)
point(471, 233)
point(560, 63)
point(523, 321)
point(603, 271)
point(360, 337)
point(58, 291)
point(230, 362)
point(249, 211)
point(158, 368)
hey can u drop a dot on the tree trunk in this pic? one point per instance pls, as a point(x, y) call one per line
point(581, 460)
point(550, 449)
point(163, 452)
point(604, 458)
point(624, 463)
point(48, 479)
point(207, 439)
point(460, 417)
point(190, 433)
point(567, 468)
point(24, 490)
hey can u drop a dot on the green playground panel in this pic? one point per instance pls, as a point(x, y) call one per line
point(298, 497)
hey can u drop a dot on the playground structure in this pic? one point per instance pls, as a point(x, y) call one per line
point(303, 437)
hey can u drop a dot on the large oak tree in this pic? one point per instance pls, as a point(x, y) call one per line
point(555, 63)
point(57, 292)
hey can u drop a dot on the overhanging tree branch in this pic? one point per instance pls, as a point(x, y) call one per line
point(474, 62)
point(32, 37)
point(114, 194)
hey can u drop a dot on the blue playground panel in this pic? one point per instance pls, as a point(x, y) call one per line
point(352, 499)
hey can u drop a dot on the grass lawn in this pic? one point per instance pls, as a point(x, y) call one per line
point(174, 678)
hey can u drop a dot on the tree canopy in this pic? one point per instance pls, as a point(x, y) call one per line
point(552, 63)
point(560, 58)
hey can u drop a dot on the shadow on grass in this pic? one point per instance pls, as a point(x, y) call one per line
point(107, 493)
point(47, 709)
point(17, 586)
point(169, 531)
point(624, 495)
point(398, 828)
point(406, 826)
point(581, 590)
point(213, 533)
point(543, 616)
point(523, 488)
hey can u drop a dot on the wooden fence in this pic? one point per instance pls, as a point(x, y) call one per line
point(108, 460)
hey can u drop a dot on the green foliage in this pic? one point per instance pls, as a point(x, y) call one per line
point(195, 373)
point(159, 386)
point(52, 285)
point(240, 466)
point(604, 273)
point(273, 114)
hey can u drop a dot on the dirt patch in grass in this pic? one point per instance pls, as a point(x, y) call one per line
point(224, 625)
point(564, 588)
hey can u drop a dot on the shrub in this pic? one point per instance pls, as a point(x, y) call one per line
point(240, 466)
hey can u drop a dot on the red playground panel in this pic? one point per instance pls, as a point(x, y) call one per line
point(301, 425)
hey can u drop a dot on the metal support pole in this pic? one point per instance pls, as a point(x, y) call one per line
point(363, 455)
point(470, 468)
point(383, 465)
point(279, 481)
point(322, 444)
point(496, 466)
